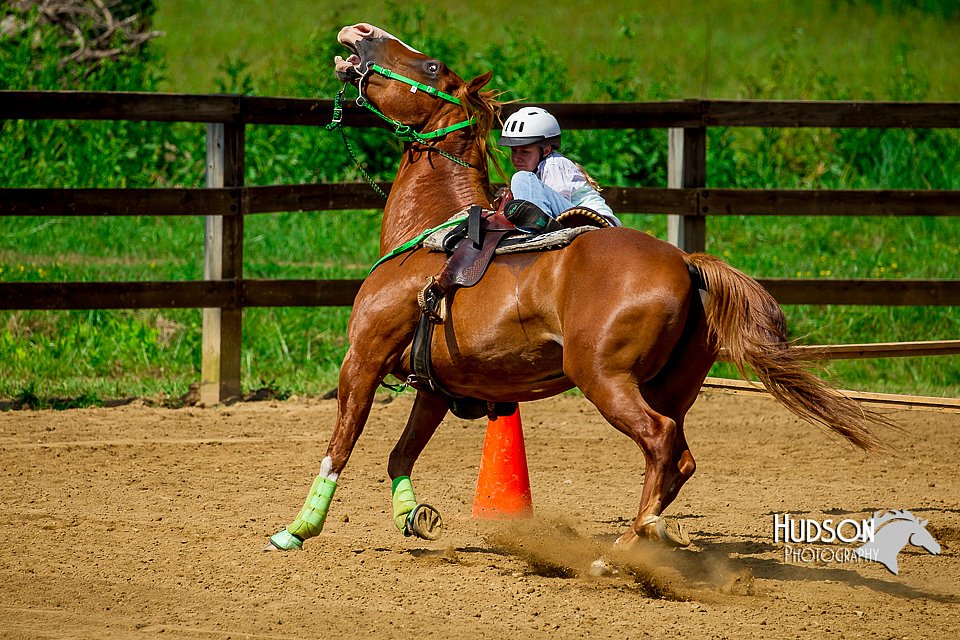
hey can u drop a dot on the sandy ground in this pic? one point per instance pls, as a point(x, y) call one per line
point(140, 522)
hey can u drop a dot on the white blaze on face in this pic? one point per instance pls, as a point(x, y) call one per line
point(350, 36)
point(377, 32)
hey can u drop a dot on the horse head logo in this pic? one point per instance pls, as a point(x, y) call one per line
point(892, 531)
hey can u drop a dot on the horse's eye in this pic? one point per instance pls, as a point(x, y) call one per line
point(432, 67)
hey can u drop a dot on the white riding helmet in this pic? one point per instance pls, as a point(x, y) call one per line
point(530, 125)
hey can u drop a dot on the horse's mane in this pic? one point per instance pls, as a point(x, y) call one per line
point(485, 106)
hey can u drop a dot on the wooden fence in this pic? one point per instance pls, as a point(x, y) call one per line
point(224, 292)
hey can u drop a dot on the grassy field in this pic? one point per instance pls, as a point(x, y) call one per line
point(719, 49)
point(711, 48)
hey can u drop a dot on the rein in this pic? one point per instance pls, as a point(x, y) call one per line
point(413, 242)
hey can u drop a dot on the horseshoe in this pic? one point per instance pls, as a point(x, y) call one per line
point(423, 522)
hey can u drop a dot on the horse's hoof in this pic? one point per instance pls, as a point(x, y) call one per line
point(671, 532)
point(600, 568)
point(656, 529)
point(284, 541)
point(423, 522)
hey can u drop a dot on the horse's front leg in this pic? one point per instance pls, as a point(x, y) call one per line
point(359, 378)
point(411, 517)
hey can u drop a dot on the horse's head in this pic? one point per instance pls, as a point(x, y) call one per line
point(405, 85)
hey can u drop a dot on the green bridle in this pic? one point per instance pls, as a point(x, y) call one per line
point(403, 131)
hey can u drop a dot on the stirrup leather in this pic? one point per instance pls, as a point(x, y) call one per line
point(432, 301)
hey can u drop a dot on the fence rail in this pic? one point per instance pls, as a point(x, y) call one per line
point(687, 201)
point(684, 114)
point(335, 293)
point(696, 202)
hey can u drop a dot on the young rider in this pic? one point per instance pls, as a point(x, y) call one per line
point(545, 178)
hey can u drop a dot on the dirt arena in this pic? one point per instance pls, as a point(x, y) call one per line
point(139, 522)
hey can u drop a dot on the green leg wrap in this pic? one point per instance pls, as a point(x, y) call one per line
point(309, 522)
point(403, 501)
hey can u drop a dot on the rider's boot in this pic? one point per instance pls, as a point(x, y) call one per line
point(530, 218)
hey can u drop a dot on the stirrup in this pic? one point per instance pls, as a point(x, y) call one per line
point(582, 216)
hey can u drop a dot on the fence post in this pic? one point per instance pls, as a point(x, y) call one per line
point(687, 169)
point(223, 260)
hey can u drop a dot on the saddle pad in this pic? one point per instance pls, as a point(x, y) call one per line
point(543, 241)
point(537, 242)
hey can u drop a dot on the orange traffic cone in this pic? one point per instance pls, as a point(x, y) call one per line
point(503, 485)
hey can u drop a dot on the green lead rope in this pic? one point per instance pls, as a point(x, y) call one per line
point(337, 123)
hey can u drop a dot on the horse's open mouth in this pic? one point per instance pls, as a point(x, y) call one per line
point(348, 70)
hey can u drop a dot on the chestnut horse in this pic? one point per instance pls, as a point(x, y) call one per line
point(617, 313)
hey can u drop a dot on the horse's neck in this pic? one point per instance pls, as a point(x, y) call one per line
point(429, 188)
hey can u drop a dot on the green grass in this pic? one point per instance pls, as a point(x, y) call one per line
point(718, 49)
point(712, 48)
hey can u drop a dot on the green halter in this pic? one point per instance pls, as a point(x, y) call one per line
point(403, 131)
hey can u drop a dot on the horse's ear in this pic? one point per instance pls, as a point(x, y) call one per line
point(923, 523)
point(479, 82)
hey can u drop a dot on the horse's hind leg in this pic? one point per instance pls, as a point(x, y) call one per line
point(671, 394)
point(358, 384)
point(668, 460)
point(661, 489)
point(411, 517)
point(673, 397)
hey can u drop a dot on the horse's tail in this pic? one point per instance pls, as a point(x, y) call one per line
point(744, 319)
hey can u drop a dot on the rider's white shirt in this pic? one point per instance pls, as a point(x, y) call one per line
point(563, 176)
